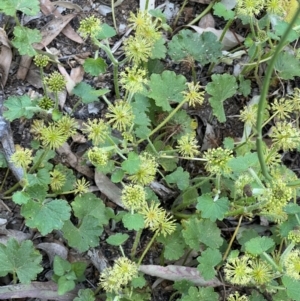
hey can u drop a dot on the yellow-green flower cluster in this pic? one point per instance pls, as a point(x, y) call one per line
point(292, 264)
point(282, 107)
point(41, 60)
point(217, 160)
point(249, 8)
point(114, 279)
point(81, 186)
point(89, 27)
point(53, 136)
point(98, 156)
point(241, 182)
point(187, 146)
point(133, 197)
point(244, 270)
point(55, 81)
point(97, 130)
point(285, 136)
point(157, 219)
point(22, 157)
point(133, 79)
point(294, 236)
point(249, 115)
point(120, 115)
point(58, 180)
point(146, 173)
point(46, 103)
point(193, 96)
point(68, 125)
point(237, 297)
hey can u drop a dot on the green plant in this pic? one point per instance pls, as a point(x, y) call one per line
point(146, 136)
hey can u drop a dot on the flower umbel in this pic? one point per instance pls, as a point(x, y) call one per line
point(98, 156)
point(194, 96)
point(146, 173)
point(187, 146)
point(294, 236)
point(58, 180)
point(282, 107)
point(41, 60)
point(55, 81)
point(68, 125)
point(53, 137)
point(261, 272)
point(89, 27)
point(114, 279)
point(292, 264)
point(133, 79)
point(120, 115)
point(237, 297)
point(81, 186)
point(217, 160)
point(46, 103)
point(237, 270)
point(97, 130)
point(133, 197)
point(22, 157)
point(249, 7)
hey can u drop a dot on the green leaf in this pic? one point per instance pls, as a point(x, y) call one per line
point(212, 209)
point(78, 267)
point(24, 38)
point(133, 221)
point(258, 245)
point(280, 28)
point(222, 87)
point(159, 49)
point(292, 209)
point(46, 216)
point(244, 235)
point(292, 287)
point(85, 295)
point(138, 282)
point(208, 260)
point(70, 178)
point(191, 233)
point(105, 32)
point(117, 176)
point(243, 163)
point(244, 86)
point(21, 259)
point(89, 204)
point(87, 93)
point(65, 285)
point(85, 236)
point(3, 162)
point(43, 158)
point(28, 7)
point(220, 10)
point(20, 197)
point(42, 177)
point(95, 66)
point(204, 48)
point(37, 192)
point(183, 286)
point(117, 239)
point(166, 88)
point(203, 294)
point(180, 177)
point(228, 143)
point(132, 164)
point(174, 244)
point(287, 65)
point(61, 266)
point(210, 234)
point(18, 106)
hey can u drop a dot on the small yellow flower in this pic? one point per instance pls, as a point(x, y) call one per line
point(46, 103)
point(137, 49)
point(237, 297)
point(98, 156)
point(58, 180)
point(89, 27)
point(249, 115)
point(187, 146)
point(157, 219)
point(275, 7)
point(141, 20)
point(294, 236)
point(127, 268)
point(249, 8)
point(146, 173)
point(285, 136)
point(237, 270)
point(282, 108)
point(81, 186)
point(53, 137)
point(68, 125)
point(133, 197)
point(261, 272)
point(133, 79)
point(41, 60)
point(22, 157)
point(292, 264)
point(194, 96)
point(217, 160)
point(37, 126)
point(121, 115)
point(55, 81)
point(97, 130)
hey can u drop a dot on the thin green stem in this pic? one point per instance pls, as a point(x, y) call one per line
point(147, 248)
point(113, 14)
point(116, 81)
point(208, 8)
point(135, 243)
point(179, 13)
point(263, 96)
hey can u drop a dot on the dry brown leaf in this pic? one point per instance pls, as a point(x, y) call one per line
point(47, 8)
point(6, 234)
point(52, 249)
point(67, 4)
point(49, 32)
point(207, 21)
point(70, 84)
point(229, 41)
point(107, 187)
point(74, 161)
point(5, 57)
point(77, 74)
point(177, 273)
